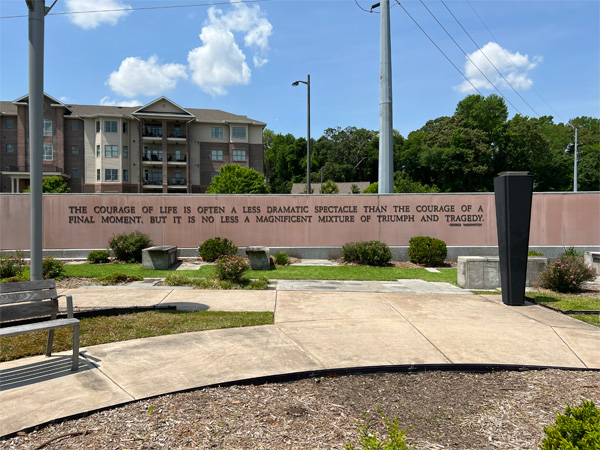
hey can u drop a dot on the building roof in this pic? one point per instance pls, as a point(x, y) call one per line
point(80, 111)
point(344, 188)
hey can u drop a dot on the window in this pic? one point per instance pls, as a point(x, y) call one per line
point(47, 151)
point(213, 175)
point(239, 132)
point(153, 176)
point(10, 148)
point(152, 153)
point(177, 131)
point(74, 173)
point(125, 151)
point(125, 175)
point(74, 149)
point(125, 127)
point(97, 174)
point(97, 126)
point(216, 155)
point(74, 125)
point(178, 156)
point(47, 127)
point(110, 126)
point(111, 151)
point(97, 151)
point(10, 123)
point(239, 155)
point(216, 132)
point(111, 175)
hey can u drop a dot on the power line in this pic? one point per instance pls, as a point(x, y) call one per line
point(141, 9)
point(436, 46)
point(468, 57)
point(511, 61)
point(493, 65)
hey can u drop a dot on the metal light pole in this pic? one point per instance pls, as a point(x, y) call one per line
point(37, 12)
point(307, 83)
point(575, 168)
point(386, 131)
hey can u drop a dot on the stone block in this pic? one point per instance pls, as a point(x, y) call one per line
point(159, 258)
point(592, 260)
point(478, 272)
point(259, 258)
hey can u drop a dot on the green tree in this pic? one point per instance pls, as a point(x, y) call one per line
point(329, 187)
point(487, 114)
point(235, 179)
point(55, 184)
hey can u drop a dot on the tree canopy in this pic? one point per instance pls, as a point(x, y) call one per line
point(235, 179)
point(55, 185)
point(458, 153)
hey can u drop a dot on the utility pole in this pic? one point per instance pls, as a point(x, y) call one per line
point(575, 168)
point(386, 130)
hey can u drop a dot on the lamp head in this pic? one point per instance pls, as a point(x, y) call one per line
point(295, 83)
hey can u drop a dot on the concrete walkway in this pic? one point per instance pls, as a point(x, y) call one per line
point(313, 330)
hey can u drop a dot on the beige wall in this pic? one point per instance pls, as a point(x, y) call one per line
point(73, 221)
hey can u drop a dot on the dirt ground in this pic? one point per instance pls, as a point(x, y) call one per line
point(438, 410)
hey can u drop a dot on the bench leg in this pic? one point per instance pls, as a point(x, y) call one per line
point(75, 347)
point(50, 341)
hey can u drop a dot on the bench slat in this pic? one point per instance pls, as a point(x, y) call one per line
point(39, 326)
point(28, 310)
point(27, 286)
point(17, 297)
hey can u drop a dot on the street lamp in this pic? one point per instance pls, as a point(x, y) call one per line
point(307, 83)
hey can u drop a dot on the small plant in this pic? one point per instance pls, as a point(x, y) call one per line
point(11, 266)
point(571, 252)
point(577, 429)
point(534, 253)
point(427, 250)
point(177, 279)
point(282, 259)
point(354, 189)
point(368, 440)
point(53, 268)
point(98, 257)
point(566, 274)
point(127, 247)
point(118, 278)
point(231, 268)
point(211, 249)
point(371, 253)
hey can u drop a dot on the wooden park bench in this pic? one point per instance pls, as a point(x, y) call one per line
point(31, 300)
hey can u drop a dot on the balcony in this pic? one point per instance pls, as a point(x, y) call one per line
point(176, 160)
point(177, 182)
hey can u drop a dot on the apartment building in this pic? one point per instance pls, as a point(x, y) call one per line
point(160, 147)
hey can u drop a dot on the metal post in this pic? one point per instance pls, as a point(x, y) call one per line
point(308, 138)
point(37, 11)
point(386, 132)
point(575, 168)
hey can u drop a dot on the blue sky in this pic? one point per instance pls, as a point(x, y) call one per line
point(243, 58)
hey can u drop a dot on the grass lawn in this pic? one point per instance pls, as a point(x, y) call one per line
point(282, 272)
point(102, 330)
point(566, 302)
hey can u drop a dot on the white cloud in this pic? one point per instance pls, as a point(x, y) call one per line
point(220, 61)
point(92, 20)
point(106, 101)
point(505, 62)
point(138, 77)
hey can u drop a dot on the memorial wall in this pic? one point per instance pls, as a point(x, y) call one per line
point(86, 221)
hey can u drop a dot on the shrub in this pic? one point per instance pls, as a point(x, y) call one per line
point(53, 268)
point(11, 266)
point(372, 253)
point(330, 187)
point(231, 267)
point(354, 189)
point(572, 252)
point(127, 247)
point(566, 274)
point(117, 278)
point(177, 279)
point(98, 257)
point(211, 249)
point(577, 429)
point(534, 253)
point(426, 250)
point(282, 259)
